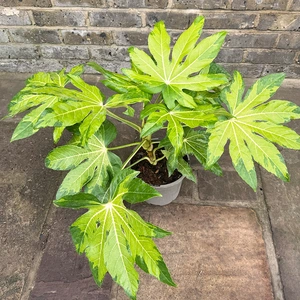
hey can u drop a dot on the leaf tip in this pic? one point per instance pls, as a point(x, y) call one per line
point(199, 19)
point(6, 117)
point(56, 203)
point(211, 160)
point(131, 49)
point(12, 139)
point(15, 137)
point(159, 24)
point(287, 177)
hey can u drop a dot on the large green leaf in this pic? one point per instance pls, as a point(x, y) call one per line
point(114, 238)
point(173, 77)
point(84, 106)
point(159, 114)
point(127, 91)
point(27, 99)
point(91, 166)
point(26, 126)
point(254, 125)
point(195, 142)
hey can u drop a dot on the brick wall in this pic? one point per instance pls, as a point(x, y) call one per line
point(263, 35)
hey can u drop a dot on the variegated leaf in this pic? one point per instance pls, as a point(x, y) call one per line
point(173, 77)
point(159, 114)
point(114, 238)
point(91, 166)
point(254, 125)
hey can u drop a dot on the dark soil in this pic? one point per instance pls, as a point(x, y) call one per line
point(155, 175)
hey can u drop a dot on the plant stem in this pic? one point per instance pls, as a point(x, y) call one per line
point(143, 120)
point(161, 158)
point(123, 146)
point(143, 158)
point(157, 148)
point(132, 125)
point(147, 158)
point(158, 99)
point(133, 154)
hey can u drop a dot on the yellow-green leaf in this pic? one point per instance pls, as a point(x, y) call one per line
point(91, 165)
point(254, 125)
point(173, 74)
point(114, 238)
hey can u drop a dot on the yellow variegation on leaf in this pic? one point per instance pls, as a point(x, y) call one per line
point(171, 77)
point(255, 125)
point(113, 237)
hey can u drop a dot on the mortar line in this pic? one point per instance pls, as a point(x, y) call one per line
point(266, 224)
point(32, 273)
point(38, 47)
point(229, 204)
point(87, 18)
point(230, 4)
point(10, 38)
point(145, 29)
point(256, 20)
point(60, 36)
point(104, 46)
point(90, 52)
point(289, 4)
point(170, 4)
point(31, 18)
point(245, 55)
point(144, 21)
point(145, 9)
point(295, 61)
point(277, 41)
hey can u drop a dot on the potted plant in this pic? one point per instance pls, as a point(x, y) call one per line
point(195, 104)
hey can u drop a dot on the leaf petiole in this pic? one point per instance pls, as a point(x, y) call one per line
point(139, 146)
point(143, 158)
point(158, 99)
point(132, 125)
point(123, 146)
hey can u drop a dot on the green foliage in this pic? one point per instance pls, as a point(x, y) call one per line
point(179, 91)
point(172, 77)
point(91, 166)
point(177, 118)
point(113, 237)
point(27, 99)
point(254, 125)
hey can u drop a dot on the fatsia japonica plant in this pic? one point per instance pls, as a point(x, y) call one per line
point(197, 106)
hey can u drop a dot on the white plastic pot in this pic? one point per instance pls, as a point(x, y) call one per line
point(169, 192)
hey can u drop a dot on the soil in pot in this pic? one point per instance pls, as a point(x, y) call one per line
point(155, 175)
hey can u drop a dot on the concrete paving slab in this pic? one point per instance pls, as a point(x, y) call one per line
point(229, 187)
point(283, 201)
point(284, 209)
point(8, 88)
point(63, 274)
point(26, 189)
point(214, 253)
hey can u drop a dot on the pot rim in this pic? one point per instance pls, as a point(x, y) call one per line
point(170, 184)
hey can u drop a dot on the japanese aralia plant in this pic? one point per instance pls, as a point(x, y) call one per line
point(197, 105)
